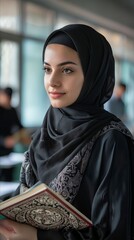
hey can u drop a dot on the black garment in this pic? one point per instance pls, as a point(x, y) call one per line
point(82, 151)
point(9, 124)
point(103, 192)
point(68, 129)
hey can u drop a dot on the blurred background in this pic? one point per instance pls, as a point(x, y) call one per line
point(24, 26)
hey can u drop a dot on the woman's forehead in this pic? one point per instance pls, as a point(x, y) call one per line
point(58, 52)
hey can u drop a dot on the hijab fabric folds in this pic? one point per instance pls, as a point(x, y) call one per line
point(65, 131)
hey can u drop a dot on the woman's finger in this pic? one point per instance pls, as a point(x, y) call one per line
point(5, 228)
point(2, 237)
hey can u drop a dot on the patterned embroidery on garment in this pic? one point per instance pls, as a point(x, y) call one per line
point(118, 126)
point(27, 177)
point(68, 181)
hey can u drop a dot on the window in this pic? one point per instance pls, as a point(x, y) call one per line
point(38, 20)
point(34, 102)
point(10, 15)
point(128, 78)
point(9, 67)
point(24, 26)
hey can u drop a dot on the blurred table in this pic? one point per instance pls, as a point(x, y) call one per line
point(10, 166)
point(7, 188)
point(11, 160)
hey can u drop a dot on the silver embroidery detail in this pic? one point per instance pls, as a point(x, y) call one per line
point(27, 177)
point(68, 181)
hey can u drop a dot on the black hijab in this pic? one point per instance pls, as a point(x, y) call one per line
point(65, 131)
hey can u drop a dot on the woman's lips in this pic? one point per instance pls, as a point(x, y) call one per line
point(56, 95)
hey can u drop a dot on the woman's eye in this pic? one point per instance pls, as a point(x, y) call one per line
point(46, 69)
point(67, 70)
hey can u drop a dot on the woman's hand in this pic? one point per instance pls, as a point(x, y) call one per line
point(11, 230)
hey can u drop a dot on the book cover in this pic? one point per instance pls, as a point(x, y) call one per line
point(41, 207)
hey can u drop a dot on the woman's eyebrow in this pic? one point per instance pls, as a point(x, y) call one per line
point(63, 63)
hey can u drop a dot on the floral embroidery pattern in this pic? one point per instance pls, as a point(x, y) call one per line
point(67, 182)
point(27, 177)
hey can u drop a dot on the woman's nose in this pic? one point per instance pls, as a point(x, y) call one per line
point(54, 80)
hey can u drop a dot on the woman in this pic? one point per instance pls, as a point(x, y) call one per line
point(81, 151)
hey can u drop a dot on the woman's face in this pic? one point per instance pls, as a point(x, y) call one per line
point(4, 100)
point(63, 75)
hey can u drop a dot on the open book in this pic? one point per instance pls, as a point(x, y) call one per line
point(41, 207)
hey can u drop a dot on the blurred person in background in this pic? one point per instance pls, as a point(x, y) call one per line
point(11, 128)
point(116, 104)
